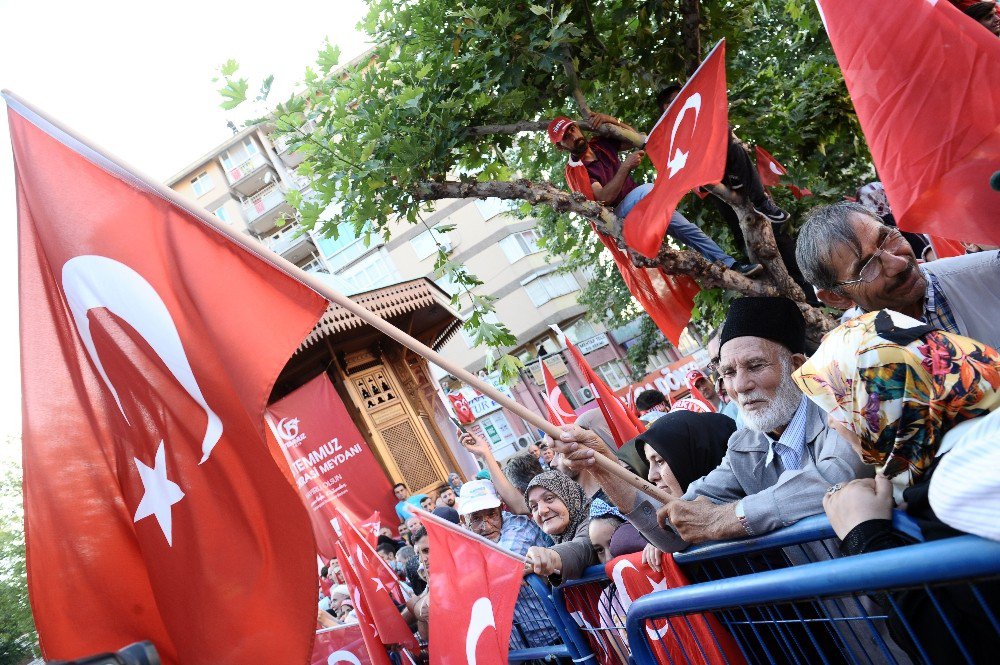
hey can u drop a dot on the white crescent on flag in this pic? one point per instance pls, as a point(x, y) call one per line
point(342, 657)
point(91, 281)
point(480, 619)
point(679, 160)
point(616, 575)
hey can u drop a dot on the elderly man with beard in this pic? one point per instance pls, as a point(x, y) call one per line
point(776, 470)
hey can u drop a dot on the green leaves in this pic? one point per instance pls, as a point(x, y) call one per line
point(234, 93)
point(328, 57)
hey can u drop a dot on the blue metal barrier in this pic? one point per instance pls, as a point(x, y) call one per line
point(541, 630)
point(764, 610)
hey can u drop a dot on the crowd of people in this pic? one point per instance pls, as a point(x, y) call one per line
point(897, 407)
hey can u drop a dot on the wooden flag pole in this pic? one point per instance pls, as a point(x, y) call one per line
point(138, 179)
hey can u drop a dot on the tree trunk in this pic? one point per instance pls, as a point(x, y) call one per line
point(691, 32)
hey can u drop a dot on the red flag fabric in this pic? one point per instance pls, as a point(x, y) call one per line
point(370, 528)
point(935, 153)
point(145, 372)
point(668, 299)
point(944, 248)
point(384, 581)
point(460, 405)
point(343, 644)
point(377, 654)
point(623, 427)
point(696, 638)
point(333, 466)
point(560, 412)
point(593, 609)
point(770, 171)
point(688, 148)
point(474, 586)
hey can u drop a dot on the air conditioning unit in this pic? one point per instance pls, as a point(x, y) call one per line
point(524, 441)
point(585, 394)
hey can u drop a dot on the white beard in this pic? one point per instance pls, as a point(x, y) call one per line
point(780, 409)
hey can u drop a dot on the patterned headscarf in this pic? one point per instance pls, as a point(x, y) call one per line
point(570, 493)
point(600, 508)
point(900, 385)
point(872, 196)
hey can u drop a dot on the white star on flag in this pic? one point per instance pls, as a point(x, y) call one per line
point(159, 493)
point(379, 585)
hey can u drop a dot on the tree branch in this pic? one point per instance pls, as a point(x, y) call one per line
point(691, 32)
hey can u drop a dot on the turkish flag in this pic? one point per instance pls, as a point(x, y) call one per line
point(560, 412)
point(688, 148)
point(623, 425)
point(377, 654)
point(370, 528)
point(668, 299)
point(463, 412)
point(926, 86)
point(153, 509)
point(474, 585)
point(944, 248)
point(770, 170)
point(342, 644)
point(379, 582)
point(695, 638)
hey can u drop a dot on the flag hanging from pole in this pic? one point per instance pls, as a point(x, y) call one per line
point(377, 654)
point(624, 427)
point(924, 81)
point(559, 410)
point(145, 372)
point(770, 170)
point(688, 148)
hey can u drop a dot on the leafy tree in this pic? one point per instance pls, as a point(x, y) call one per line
point(455, 97)
point(18, 641)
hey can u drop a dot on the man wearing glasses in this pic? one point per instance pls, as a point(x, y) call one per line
point(853, 259)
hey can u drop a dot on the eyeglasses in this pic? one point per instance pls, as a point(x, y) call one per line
point(873, 267)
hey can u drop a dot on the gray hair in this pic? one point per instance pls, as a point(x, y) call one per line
point(521, 468)
point(827, 227)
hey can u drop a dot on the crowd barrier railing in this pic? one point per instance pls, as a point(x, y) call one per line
point(782, 603)
point(542, 628)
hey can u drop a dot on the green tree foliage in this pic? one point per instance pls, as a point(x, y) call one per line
point(434, 112)
point(18, 641)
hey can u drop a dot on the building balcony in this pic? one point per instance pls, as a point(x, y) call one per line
point(283, 146)
point(250, 176)
point(265, 208)
point(292, 243)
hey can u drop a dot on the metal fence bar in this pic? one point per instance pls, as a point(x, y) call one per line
point(953, 559)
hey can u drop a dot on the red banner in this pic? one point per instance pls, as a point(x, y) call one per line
point(331, 463)
point(669, 380)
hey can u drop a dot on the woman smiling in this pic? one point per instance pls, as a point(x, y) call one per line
point(561, 508)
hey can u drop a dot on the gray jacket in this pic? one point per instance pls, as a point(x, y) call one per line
point(770, 500)
point(971, 284)
point(576, 554)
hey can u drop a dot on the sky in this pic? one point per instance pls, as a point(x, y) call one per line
point(136, 79)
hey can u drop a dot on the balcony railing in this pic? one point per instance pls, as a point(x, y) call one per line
point(243, 169)
point(263, 201)
point(290, 235)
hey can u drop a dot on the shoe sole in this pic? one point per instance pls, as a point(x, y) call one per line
point(753, 273)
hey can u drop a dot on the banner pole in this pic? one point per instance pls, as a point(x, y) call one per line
point(140, 180)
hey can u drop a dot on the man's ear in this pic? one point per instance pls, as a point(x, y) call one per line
point(834, 299)
point(798, 359)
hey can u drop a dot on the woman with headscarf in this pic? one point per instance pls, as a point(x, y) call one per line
point(683, 446)
point(907, 397)
point(560, 507)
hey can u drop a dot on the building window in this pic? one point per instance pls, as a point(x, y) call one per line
point(614, 374)
point(222, 214)
point(426, 244)
point(347, 247)
point(518, 245)
point(238, 154)
point(581, 330)
point(551, 285)
point(202, 183)
point(373, 272)
point(492, 206)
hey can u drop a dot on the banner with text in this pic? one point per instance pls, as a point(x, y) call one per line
point(669, 380)
point(330, 461)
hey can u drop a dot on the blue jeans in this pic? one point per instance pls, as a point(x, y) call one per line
point(680, 228)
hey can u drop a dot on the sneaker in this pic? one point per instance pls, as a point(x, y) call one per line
point(768, 208)
point(747, 269)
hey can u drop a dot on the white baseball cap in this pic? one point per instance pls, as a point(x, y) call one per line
point(477, 495)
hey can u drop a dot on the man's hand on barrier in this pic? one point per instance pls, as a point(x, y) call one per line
point(858, 501)
point(700, 520)
point(542, 561)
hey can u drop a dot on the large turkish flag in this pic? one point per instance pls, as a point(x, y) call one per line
point(926, 86)
point(474, 586)
point(377, 654)
point(688, 148)
point(153, 509)
point(559, 410)
point(343, 644)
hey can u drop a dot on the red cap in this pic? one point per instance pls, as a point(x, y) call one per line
point(558, 127)
point(692, 377)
